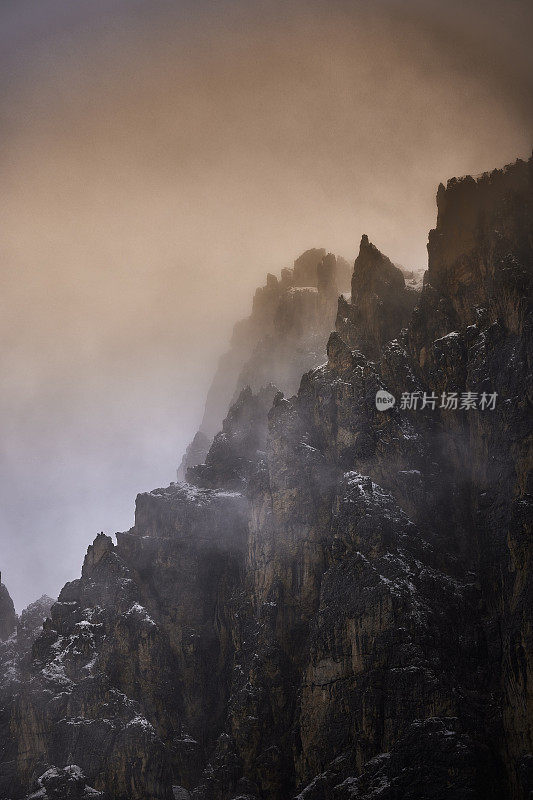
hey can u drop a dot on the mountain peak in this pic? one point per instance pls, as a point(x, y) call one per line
point(8, 617)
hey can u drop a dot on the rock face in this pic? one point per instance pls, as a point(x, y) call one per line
point(337, 604)
point(128, 697)
point(194, 454)
point(381, 303)
point(473, 332)
point(8, 617)
point(233, 456)
point(30, 622)
point(284, 336)
point(15, 656)
point(63, 784)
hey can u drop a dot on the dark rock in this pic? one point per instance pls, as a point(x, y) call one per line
point(30, 622)
point(236, 451)
point(8, 617)
point(306, 266)
point(381, 304)
point(63, 784)
point(195, 454)
point(283, 337)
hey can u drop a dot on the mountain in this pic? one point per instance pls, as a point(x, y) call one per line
point(284, 336)
point(17, 635)
point(337, 604)
point(8, 617)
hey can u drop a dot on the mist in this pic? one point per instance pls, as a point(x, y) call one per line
point(157, 161)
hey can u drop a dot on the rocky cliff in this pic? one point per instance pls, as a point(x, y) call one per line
point(284, 336)
point(337, 604)
point(16, 640)
point(381, 303)
point(8, 618)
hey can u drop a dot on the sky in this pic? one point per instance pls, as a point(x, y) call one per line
point(157, 160)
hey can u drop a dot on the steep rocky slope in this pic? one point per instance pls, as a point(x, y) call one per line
point(337, 605)
point(381, 303)
point(284, 336)
point(16, 640)
point(8, 618)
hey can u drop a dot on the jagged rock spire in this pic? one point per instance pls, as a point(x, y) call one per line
point(381, 304)
point(8, 617)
